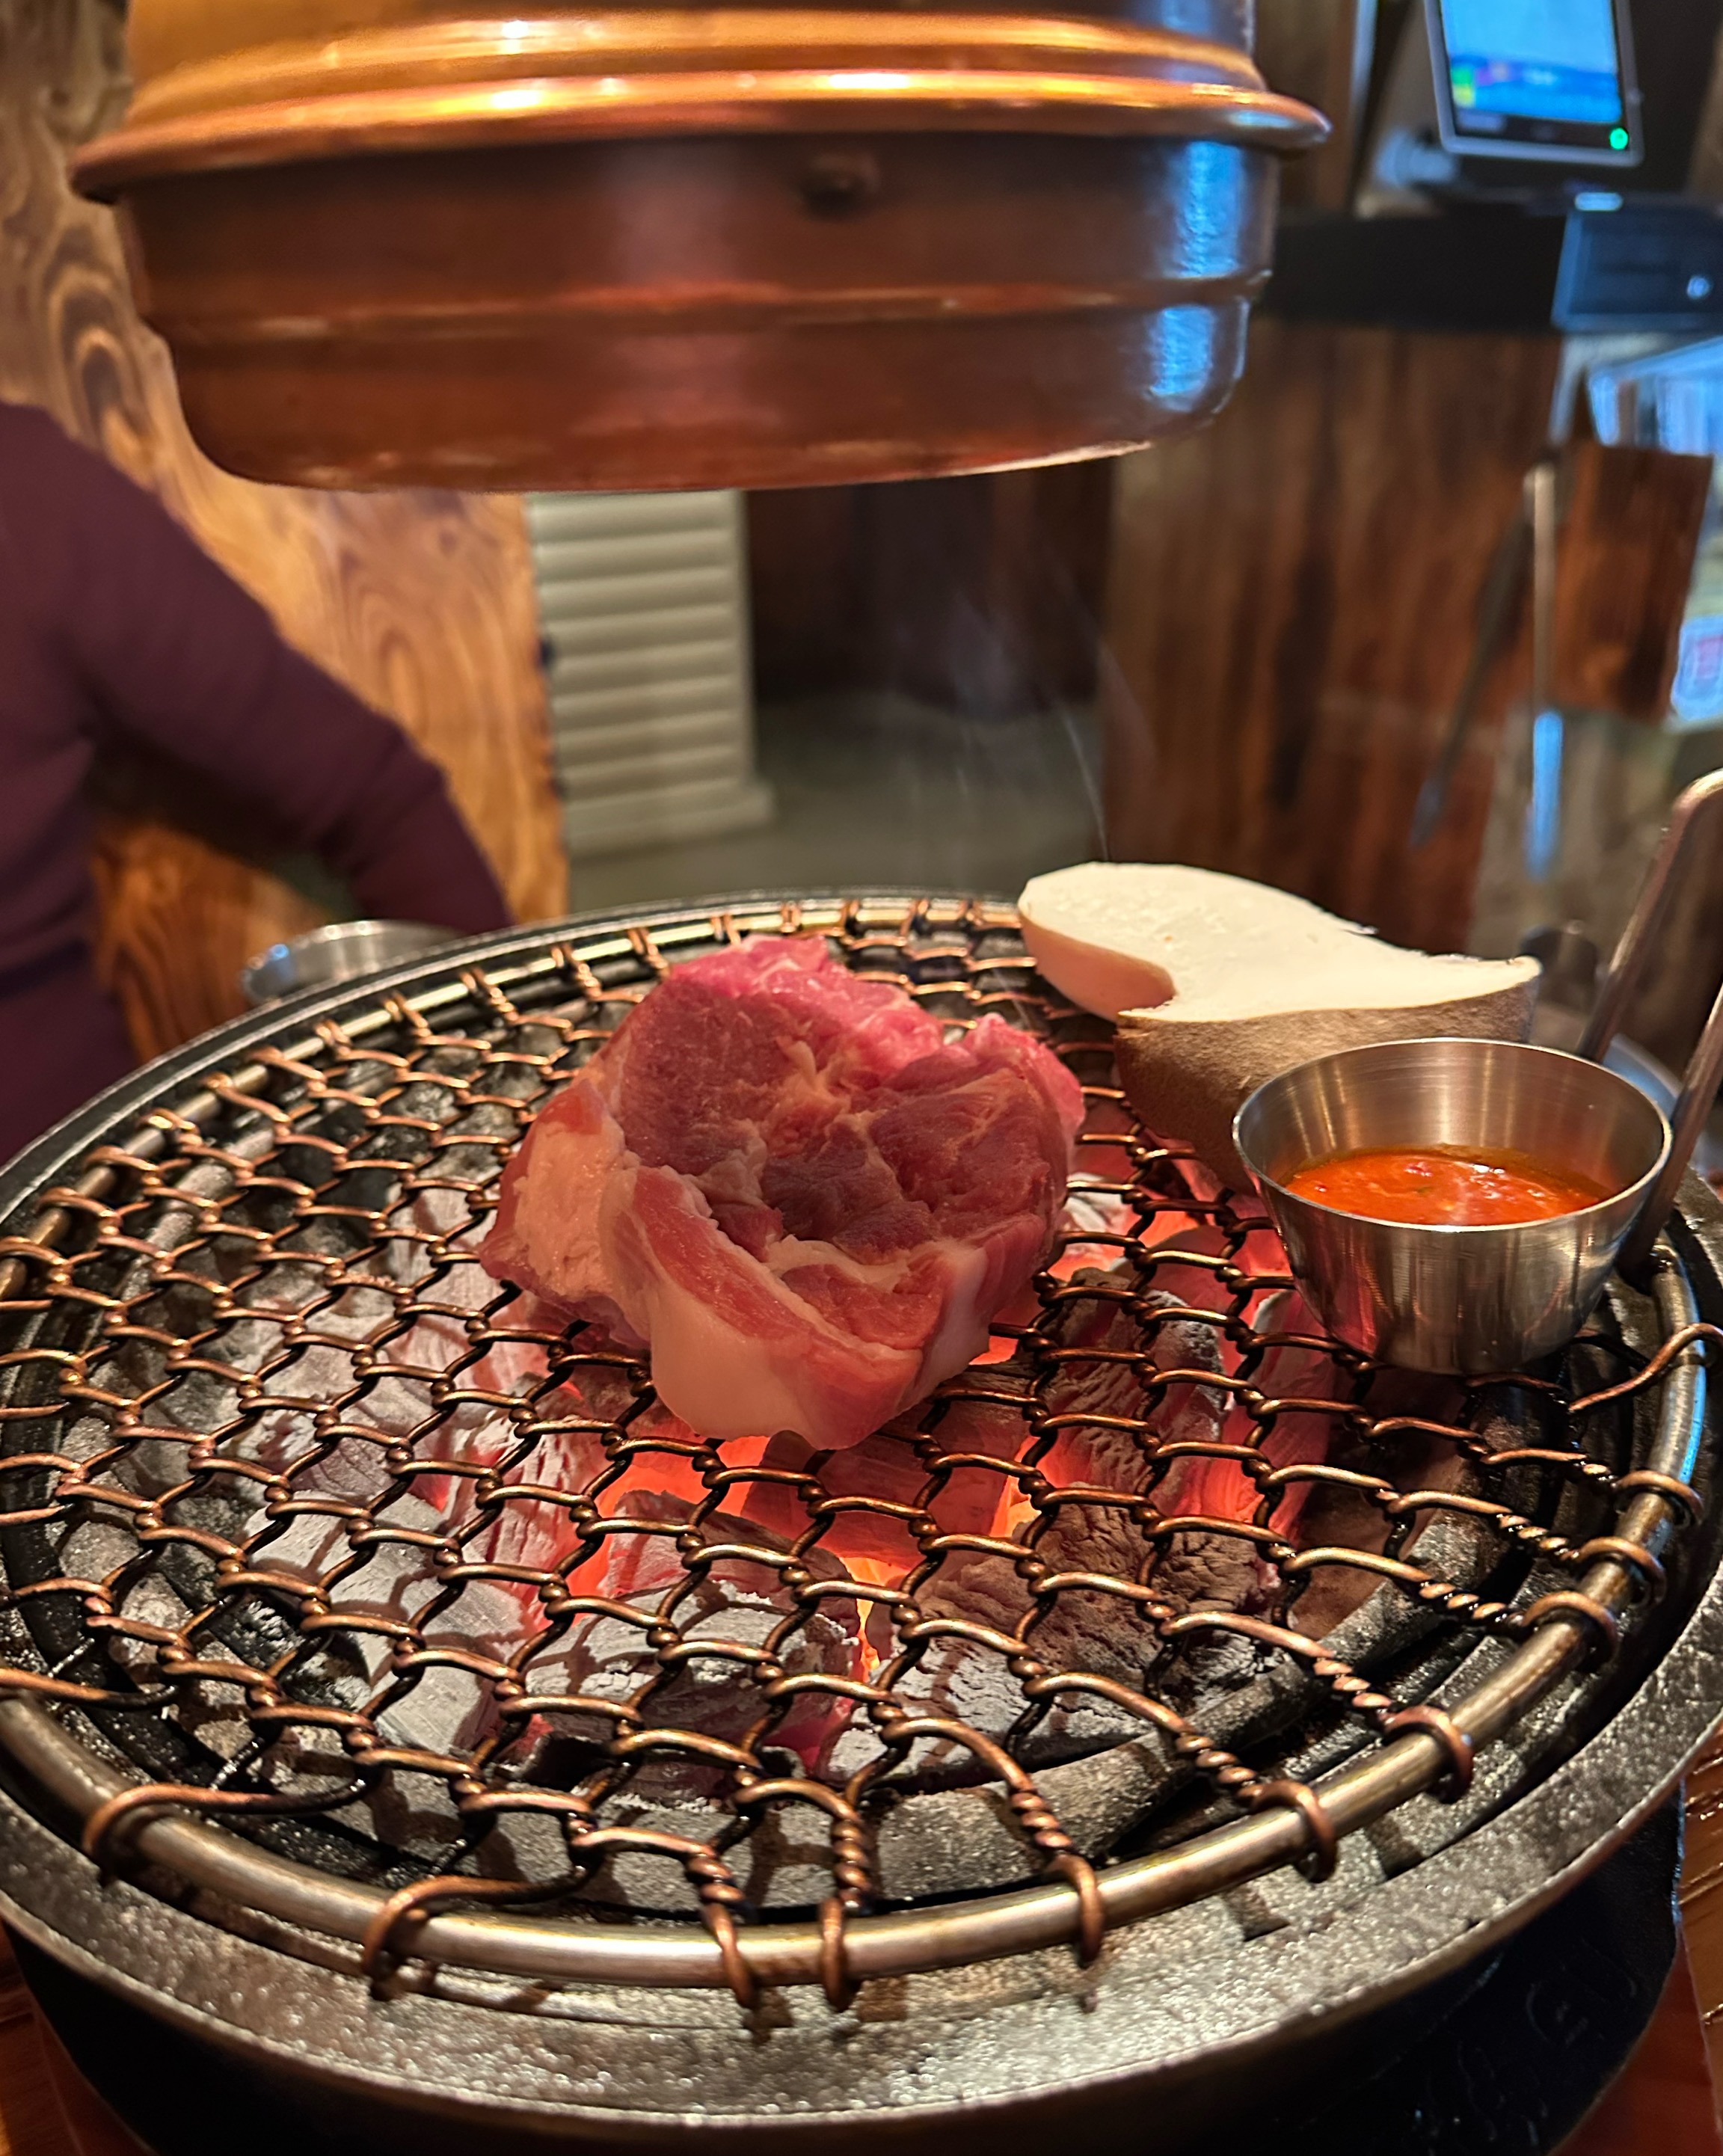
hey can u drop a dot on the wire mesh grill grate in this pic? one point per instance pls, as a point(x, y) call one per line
point(308, 1519)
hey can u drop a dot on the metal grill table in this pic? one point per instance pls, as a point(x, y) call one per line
point(352, 1600)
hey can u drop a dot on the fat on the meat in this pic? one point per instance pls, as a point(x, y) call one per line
point(786, 1180)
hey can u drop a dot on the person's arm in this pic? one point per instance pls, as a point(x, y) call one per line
point(178, 657)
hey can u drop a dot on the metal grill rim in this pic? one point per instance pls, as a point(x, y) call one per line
point(1293, 1825)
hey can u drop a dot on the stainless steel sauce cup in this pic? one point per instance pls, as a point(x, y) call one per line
point(1465, 1300)
point(342, 952)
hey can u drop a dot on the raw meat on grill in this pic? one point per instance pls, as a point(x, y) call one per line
point(789, 1183)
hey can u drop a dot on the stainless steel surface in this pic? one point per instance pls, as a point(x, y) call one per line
point(1569, 960)
point(1566, 996)
point(324, 1082)
point(1455, 1299)
point(343, 951)
point(1694, 811)
point(1691, 1112)
point(1654, 1079)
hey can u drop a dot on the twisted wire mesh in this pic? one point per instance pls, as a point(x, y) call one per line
point(289, 1478)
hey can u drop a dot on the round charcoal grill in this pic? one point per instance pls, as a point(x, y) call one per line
point(451, 1726)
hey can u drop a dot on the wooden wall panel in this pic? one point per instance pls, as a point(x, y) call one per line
point(1320, 51)
point(1630, 526)
point(980, 594)
point(421, 603)
point(1291, 605)
point(803, 568)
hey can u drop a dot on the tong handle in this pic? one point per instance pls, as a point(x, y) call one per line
point(1692, 811)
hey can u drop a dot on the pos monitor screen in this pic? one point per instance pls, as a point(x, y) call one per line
point(1542, 79)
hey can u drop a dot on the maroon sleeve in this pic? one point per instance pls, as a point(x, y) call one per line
point(179, 658)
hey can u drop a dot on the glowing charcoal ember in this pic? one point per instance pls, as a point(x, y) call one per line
point(1298, 1365)
point(1094, 1494)
point(573, 1521)
point(867, 1493)
point(579, 1658)
point(791, 1184)
point(1119, 1434)
point(1100, 1375)
point(413, 1465)
point(491, 1534)
point(554, 1513)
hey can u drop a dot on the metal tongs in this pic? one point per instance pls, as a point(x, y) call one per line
point(1704, 1069)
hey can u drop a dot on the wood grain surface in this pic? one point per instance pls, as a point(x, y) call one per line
point(980, 594)
point(421, 601)
point(1294, 596)
point(1665, 2102)
point(1291, 605)
point(1702, 1891)
point(1629, 535)
point(1320, 51)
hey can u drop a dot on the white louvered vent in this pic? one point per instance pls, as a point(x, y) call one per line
point(642, 605)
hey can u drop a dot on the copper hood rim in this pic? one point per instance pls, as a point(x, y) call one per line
point(742, 71)
point(668, 248)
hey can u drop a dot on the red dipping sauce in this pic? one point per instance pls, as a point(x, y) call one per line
point(1444, 1187)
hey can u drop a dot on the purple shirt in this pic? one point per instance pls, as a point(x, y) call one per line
point(113, 624)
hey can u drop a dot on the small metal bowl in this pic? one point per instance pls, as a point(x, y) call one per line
point(341, 951)
point(1451, 1299)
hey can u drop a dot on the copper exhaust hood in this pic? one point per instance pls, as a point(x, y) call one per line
point(396, 241)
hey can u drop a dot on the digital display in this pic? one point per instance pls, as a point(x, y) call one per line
point(1536, 78)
